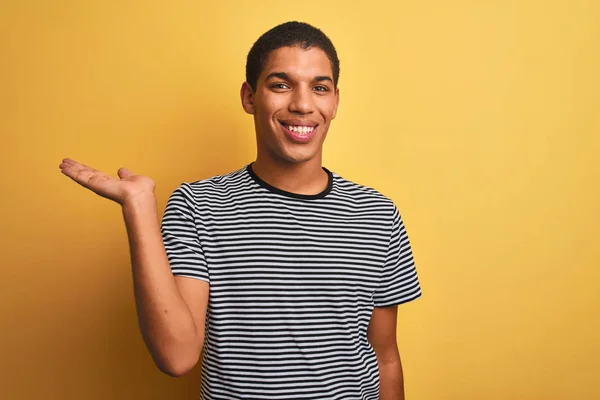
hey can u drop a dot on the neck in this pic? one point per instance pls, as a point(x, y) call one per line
point(307, 178)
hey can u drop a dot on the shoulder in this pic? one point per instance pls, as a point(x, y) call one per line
point(218, 189)
point(360, 194)
point(214, 185)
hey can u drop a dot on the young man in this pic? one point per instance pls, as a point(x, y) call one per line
point(286, 275)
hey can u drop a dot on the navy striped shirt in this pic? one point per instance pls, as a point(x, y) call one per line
point(293, 283)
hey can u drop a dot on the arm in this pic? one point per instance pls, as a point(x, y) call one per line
point(171, 312)
point(382, 336)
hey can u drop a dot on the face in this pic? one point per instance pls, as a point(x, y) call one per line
point(293, 105)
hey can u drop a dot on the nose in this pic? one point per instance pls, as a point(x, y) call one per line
point(301, 101)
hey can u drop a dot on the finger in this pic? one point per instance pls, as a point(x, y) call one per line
point(71, 162)
point(73, 168)
point(67, 161)
point(124, 173)
point(68, 164)
point(81, 174)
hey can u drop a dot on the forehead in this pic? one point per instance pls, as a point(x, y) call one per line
point(298, 62)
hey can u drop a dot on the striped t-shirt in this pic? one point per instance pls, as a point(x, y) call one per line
point(293, 282)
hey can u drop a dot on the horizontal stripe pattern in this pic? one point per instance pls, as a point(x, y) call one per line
point(293, 283)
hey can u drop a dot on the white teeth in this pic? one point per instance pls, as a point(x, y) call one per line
point(301, 129)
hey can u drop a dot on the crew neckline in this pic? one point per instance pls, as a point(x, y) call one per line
point(285, 193)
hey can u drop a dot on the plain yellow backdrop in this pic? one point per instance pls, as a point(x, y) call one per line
point(480, 119)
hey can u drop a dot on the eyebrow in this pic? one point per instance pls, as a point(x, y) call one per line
point(284, 76)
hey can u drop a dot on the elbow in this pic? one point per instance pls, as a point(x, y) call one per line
point(176, 367)
point(175, 371)
point(178, 361)
point(174, 355)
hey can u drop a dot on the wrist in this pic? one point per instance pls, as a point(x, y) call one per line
point(140, 202)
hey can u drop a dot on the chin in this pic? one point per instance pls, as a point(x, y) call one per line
point(299, 158)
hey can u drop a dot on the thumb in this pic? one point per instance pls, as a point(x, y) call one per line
point(124, 173)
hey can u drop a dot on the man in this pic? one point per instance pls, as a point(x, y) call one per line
point(284, 274)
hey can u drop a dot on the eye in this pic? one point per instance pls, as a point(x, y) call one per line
point(280, 86)
point(321, 88)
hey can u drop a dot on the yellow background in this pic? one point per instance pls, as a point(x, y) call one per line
point(480, 119)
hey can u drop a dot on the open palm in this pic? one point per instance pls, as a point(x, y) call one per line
point(119, 190)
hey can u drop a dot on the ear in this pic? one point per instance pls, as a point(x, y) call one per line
point(247, 96)
point(337, 102)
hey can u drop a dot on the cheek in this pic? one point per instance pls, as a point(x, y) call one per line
point(268, 110)
point(328, 109)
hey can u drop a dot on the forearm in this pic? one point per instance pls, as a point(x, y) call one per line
point(165, 320)
point(391, 380)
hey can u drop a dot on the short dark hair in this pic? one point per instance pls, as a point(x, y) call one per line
point(290, 34)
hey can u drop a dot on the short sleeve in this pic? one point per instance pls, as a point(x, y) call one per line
point(399, 281)
point(180, 236)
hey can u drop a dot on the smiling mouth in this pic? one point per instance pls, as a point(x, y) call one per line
point(302, 131)
point(299, 133)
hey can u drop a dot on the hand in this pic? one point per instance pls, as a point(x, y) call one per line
point(120, 190)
